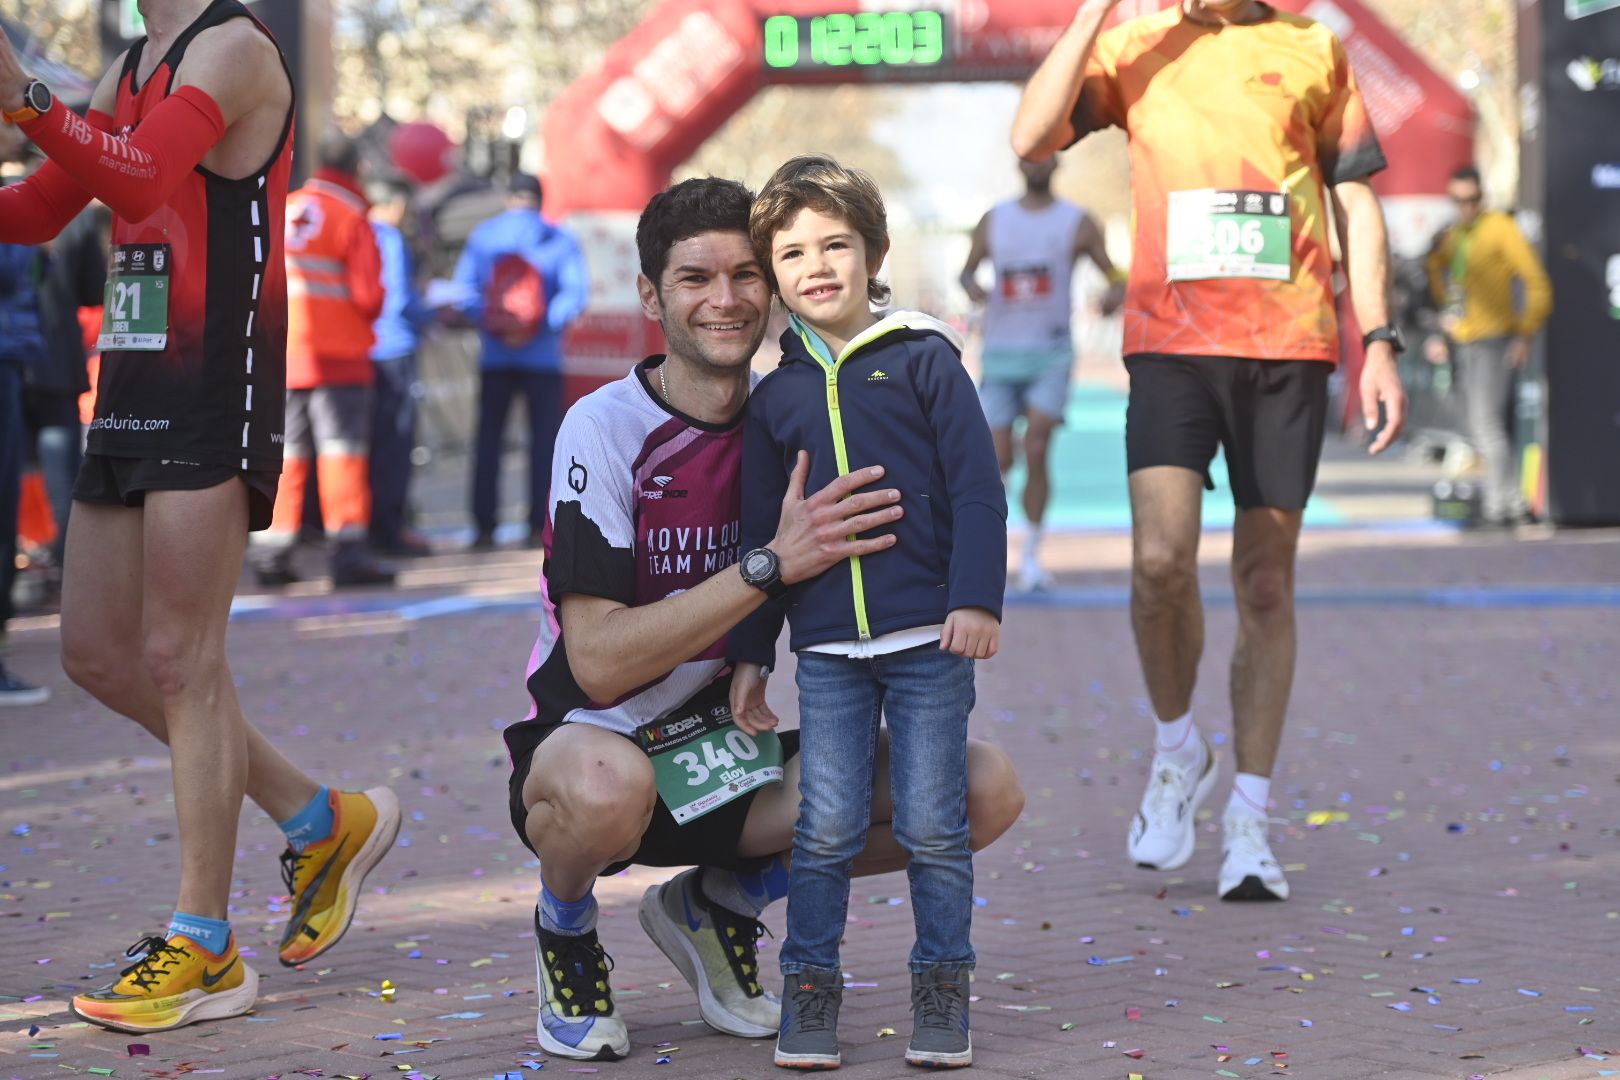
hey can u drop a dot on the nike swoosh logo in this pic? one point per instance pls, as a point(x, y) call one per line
point(305, 902)
point(693, 922)
point(209, 978)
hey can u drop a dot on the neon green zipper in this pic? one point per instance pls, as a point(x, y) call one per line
point(862, 627)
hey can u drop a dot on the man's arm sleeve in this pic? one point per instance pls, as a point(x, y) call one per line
point(574, 288)
point(974, 488)
point(137, 175)
point(1346, 144)
point(1538, 297)
point(592, 550)
point(40, 207)
point(1100, 104)
point(468, 278)
point(365, 272)
point(764, 485)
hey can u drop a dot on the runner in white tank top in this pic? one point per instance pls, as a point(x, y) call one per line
point(1033, 243)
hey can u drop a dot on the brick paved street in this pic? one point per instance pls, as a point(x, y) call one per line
point(1448, 782)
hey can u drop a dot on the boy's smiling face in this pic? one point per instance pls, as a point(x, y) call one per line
point(822, 268)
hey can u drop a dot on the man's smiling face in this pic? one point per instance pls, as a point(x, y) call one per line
point(712, 301)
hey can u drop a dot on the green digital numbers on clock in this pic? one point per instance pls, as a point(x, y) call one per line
point(865, 39)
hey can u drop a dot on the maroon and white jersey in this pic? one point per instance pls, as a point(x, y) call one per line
point(645, 503)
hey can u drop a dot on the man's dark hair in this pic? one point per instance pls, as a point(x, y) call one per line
point(700, 205)
point(339, 153)
point(387, 189)
point(1466, 173)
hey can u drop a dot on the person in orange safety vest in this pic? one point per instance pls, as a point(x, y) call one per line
point(334, 293)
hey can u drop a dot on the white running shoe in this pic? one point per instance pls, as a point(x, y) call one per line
point(1249, 871)
point(1033, 577)
point(1164, 832)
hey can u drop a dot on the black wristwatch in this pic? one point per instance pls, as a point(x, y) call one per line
point(1391, 334)
point(763, 570)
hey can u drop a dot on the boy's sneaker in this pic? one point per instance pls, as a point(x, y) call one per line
point(808, 1037)
point(939, 1019)
point(577, 1018)
point(717, 951)
point(171, 983)
point(1248, 869)
point(324, 879)
point(1163, 834)
point(13, 691)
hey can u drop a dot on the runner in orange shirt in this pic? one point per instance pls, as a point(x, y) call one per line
point(1244, 123)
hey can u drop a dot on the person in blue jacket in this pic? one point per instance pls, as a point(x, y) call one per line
point(393, 359)
point(521, 315)
point(22, 345)
point(893, 634)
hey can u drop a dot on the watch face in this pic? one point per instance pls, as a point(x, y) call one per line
point(757, 564)
point(39, 97)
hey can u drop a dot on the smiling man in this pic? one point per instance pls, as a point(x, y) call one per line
point(628, 754)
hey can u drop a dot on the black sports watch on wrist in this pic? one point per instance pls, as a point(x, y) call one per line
point(763, 570)
point(1391, 334)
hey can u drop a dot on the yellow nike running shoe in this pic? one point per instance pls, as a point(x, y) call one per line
point(170, 984)
point(324, 879)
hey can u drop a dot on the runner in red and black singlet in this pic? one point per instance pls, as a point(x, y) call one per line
point(189, 142)
point(214, 394)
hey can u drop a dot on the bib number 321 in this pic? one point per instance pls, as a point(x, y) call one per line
point(135, 307)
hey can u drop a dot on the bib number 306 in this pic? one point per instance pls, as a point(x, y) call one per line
point(1229, 234)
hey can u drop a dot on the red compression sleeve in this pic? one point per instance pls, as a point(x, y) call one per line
point(35, 210)
point(134, 176)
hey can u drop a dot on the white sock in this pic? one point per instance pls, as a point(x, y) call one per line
point(1032, 546)
point(1251, 795)
point(1178, 741)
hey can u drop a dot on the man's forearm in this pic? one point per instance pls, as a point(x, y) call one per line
point(1365, 246)
point(1042, 126)
point(632, 646)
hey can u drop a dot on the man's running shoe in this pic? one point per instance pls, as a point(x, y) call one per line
point(324, 879)
point(717, 951)
point(577, 1018)
point(1248, 869)
point(1033, 578)
point(170, 984)
point(808, 1038)
point(13, 691)
point(1163, 833)
point(939, 1019)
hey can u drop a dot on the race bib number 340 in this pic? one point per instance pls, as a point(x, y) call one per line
point(701, 760)
point(135, 307)
point(1229, 234)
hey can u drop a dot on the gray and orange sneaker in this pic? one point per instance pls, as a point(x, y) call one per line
point(324, 879)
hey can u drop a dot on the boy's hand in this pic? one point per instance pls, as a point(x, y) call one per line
point(970, 631)
point(748, 709)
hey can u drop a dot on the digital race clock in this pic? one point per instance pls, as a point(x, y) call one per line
point(870, 40)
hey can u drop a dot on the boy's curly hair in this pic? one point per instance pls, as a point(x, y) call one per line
point(817, 182)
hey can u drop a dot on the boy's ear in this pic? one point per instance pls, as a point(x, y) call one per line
point(874, 263)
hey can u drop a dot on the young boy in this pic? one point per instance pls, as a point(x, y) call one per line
point(894, 633)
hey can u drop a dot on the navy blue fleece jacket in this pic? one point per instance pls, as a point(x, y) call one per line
point(899, 397)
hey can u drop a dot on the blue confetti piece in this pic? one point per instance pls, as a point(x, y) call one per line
point(1252, 1061)
point(1408, 931)
point(1467, 982)
point(388, 1036)
point(461, 1016)
point(1447, 1027)
point(1402, 1006)
point(414, 954)
point(1579, 1008)
point(1306, 1023)
point(1530, 993)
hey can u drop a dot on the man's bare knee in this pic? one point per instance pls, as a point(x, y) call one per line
point(1162, 570)
point(1265, 591)
point(603, 806)
point(176, 661)
point(995, 795)
point(93, 664)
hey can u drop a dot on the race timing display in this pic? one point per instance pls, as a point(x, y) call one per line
point(877, 42)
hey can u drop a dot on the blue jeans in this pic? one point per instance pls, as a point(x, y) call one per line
point(393, 437)
point(542, 401)
point(925, 694)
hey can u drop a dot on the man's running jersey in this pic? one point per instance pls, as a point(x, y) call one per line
point(1026, 320)
point(1234, 130)
point(214, 391)
point(645, 503)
